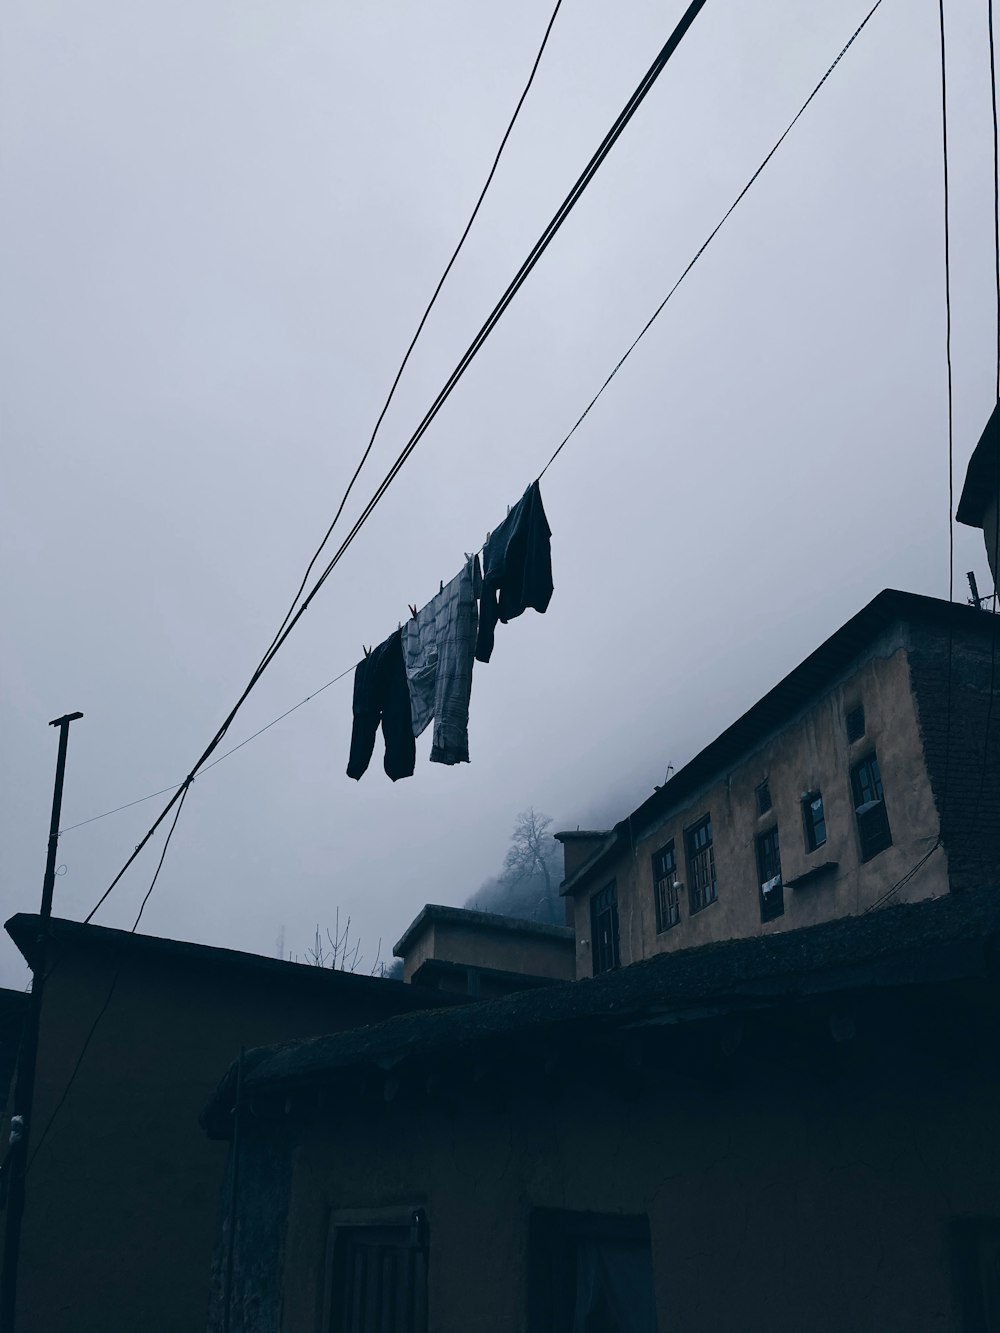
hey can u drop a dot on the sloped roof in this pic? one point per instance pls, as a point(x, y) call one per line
point(946, 938)
point(784, 701)
point(467, 916)
point(23, 928)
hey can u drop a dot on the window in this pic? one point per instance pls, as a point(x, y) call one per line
point(701, 864)
point(589, 1272)
point(763, 798)
point(379, 1278)
point(855, 723)
point(976, 1255)
point(604, 930)
point(772, 900)
point(814, 820)
point(665, 888)
point(869, 807)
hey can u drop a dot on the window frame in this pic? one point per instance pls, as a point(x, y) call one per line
point(767, 856)
point(597, 911)
point(551, 1273)
point(855, 712)
point(697, 901)
point(809, 824)
point(666, 898)
point(401, 1230)
point(871, 817)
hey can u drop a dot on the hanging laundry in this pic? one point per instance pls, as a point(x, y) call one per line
point(439, 645)
point(517, 568)
point(382, 695)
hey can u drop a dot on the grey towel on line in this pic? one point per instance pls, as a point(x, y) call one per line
point(439, 648)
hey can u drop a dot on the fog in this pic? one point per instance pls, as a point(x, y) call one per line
point(220, 226)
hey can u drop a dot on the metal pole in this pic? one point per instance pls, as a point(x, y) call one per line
point(234, 1185)
point(24, 1094)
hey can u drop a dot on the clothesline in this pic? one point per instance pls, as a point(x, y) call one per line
point(423, 670)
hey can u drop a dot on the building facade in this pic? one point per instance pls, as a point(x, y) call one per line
point(123, 1188)
point(773, 1134)
point(868, 774)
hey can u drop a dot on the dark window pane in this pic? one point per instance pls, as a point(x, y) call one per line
point(772, 901)
point(604, 945)
point(763, 798)
point(814, 820)
point(702, 888)
point(589, 1274)
point(668, 911)
point(872, 818)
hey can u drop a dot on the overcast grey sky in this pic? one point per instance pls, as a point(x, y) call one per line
point(220, 224)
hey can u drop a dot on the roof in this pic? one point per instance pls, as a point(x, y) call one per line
point(796, 691)
point(23, 928)
point(957, 936)
point(465, 916)
point(982, 478)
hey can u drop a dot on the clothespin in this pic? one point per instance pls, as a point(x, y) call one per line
point(441, 588)
point(508, 511)
point(368, 651)
point(413, 610)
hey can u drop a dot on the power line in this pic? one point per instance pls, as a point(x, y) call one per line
point(710, 238)
point(579, 421)
point(996, 546)
point(175, 786)
point(951, 403)
point(420, 326)
point(541, 245)
point(111, 989)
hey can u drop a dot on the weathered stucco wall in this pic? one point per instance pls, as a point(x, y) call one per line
point(123, 1196)
point(811, 753)
point(815, 1191)
point(479, 946)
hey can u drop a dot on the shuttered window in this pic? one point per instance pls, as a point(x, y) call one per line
point(380, 1279)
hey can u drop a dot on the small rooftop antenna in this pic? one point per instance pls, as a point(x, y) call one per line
point(660, 785)
point(975, 600)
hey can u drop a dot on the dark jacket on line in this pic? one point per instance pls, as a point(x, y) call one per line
point(381, 694)
point(517, 568)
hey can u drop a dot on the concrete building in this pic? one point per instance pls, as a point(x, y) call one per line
point(868, 774)
point(481, 954)
point(123, 1188)
point(783, 1133)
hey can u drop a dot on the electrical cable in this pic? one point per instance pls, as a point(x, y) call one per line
point(579, 421)
point(904, 879)
point(174, 786)
point(996, 547)
point(951, 414)
point(541, 245)
point(710, 238)
point(423, 321)
point(111, 989)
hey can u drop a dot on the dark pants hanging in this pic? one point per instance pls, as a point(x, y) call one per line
point(382, 695)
